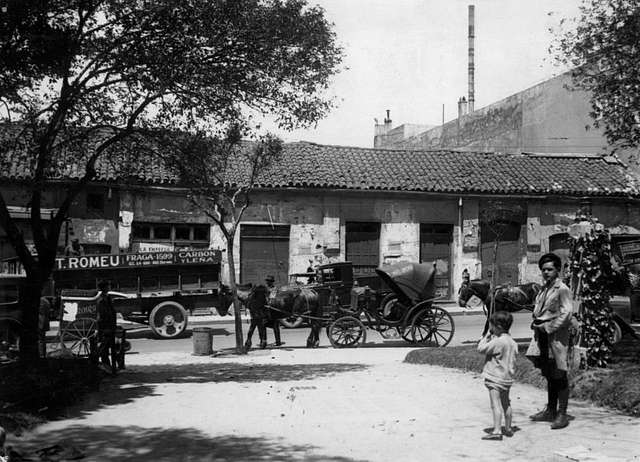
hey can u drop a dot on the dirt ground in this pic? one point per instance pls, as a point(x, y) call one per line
point(317, 405)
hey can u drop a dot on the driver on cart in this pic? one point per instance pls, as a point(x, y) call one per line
point(270, 283)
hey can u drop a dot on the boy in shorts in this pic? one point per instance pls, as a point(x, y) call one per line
point(499, 368)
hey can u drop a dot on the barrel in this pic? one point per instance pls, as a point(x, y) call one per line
point(202, 342)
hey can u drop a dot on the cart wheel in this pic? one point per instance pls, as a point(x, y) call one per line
point(346, 332)
point(168, 319)
point(80, 336)
point(432, 327)
point(292, 322)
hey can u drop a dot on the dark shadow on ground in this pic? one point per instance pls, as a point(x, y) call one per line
point(229, 372)
point(139, 381)
point(137, 444)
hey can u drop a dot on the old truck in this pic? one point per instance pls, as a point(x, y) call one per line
point(159, 289)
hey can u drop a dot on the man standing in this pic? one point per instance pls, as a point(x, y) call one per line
point(74, 249)
point(106, 318)
point(550, 343)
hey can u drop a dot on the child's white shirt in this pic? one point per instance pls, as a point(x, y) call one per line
point(500, 358)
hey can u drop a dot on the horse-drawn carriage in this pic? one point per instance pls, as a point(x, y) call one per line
point(400, 301)
point(406, 311)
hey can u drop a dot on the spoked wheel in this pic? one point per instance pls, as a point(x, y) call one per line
point(346, 332)
point(80, 336)
point(432, 327)
point(168, 319)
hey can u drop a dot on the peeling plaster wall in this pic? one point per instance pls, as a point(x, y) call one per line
point(96, 231)
point(162, 208)
point(467, 244)
point(317, 223)
point(400, 242)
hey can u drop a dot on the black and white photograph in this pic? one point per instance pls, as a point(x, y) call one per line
point(319, 230)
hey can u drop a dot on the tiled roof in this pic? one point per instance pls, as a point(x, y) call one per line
point(313, 165)
point(309, 165)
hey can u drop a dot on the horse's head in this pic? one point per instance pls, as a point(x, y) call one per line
point(477, 287)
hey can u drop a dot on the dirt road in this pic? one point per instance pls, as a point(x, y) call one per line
point(317, 405)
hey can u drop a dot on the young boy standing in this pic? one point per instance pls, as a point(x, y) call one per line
point(498, 371)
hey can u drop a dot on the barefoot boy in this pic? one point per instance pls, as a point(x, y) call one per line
point(499, 368)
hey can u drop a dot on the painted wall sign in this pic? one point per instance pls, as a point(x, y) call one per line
point(128, 260)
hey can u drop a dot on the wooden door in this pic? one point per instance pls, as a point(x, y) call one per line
point(508, 252)
point(435, 247)
point(363, 247)
point(264, 250)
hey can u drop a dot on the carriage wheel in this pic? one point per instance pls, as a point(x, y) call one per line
point(346, 331)
point(80, 336)
point(432, 327)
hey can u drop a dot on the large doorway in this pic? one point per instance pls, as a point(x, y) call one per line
point(363, 247)
point(264, 250)
point(435, 247)
point(507, 235)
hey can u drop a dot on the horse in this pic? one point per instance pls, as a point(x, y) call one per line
point(267, 311)
point(503, 298)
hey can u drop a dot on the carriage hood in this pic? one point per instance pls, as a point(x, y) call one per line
point(414, 281)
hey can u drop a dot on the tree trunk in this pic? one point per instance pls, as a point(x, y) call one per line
point(236, 301)
point(492, 286)
point(30, 299)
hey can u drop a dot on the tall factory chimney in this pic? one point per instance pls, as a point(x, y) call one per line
point(471, 98)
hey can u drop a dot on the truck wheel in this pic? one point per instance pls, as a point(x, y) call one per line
point(168, 319)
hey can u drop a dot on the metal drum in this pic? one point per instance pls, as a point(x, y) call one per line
point(202, 341)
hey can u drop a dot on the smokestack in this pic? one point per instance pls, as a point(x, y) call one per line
point(472, 34)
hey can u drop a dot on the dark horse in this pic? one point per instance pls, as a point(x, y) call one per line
point(288, 301)
point(503, 298)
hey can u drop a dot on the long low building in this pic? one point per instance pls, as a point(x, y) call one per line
point(373, 207)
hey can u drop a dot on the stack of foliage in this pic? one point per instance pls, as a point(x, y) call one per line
point(591, 276)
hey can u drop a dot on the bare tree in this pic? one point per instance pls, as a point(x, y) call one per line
point(221, 173)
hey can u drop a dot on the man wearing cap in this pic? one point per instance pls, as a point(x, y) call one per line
point(270, 283)
point(550, 343)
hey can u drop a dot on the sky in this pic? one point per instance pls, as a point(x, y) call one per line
point(411, 57)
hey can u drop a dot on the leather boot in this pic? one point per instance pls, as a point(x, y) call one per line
point(561, 419)
point(546, 415)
